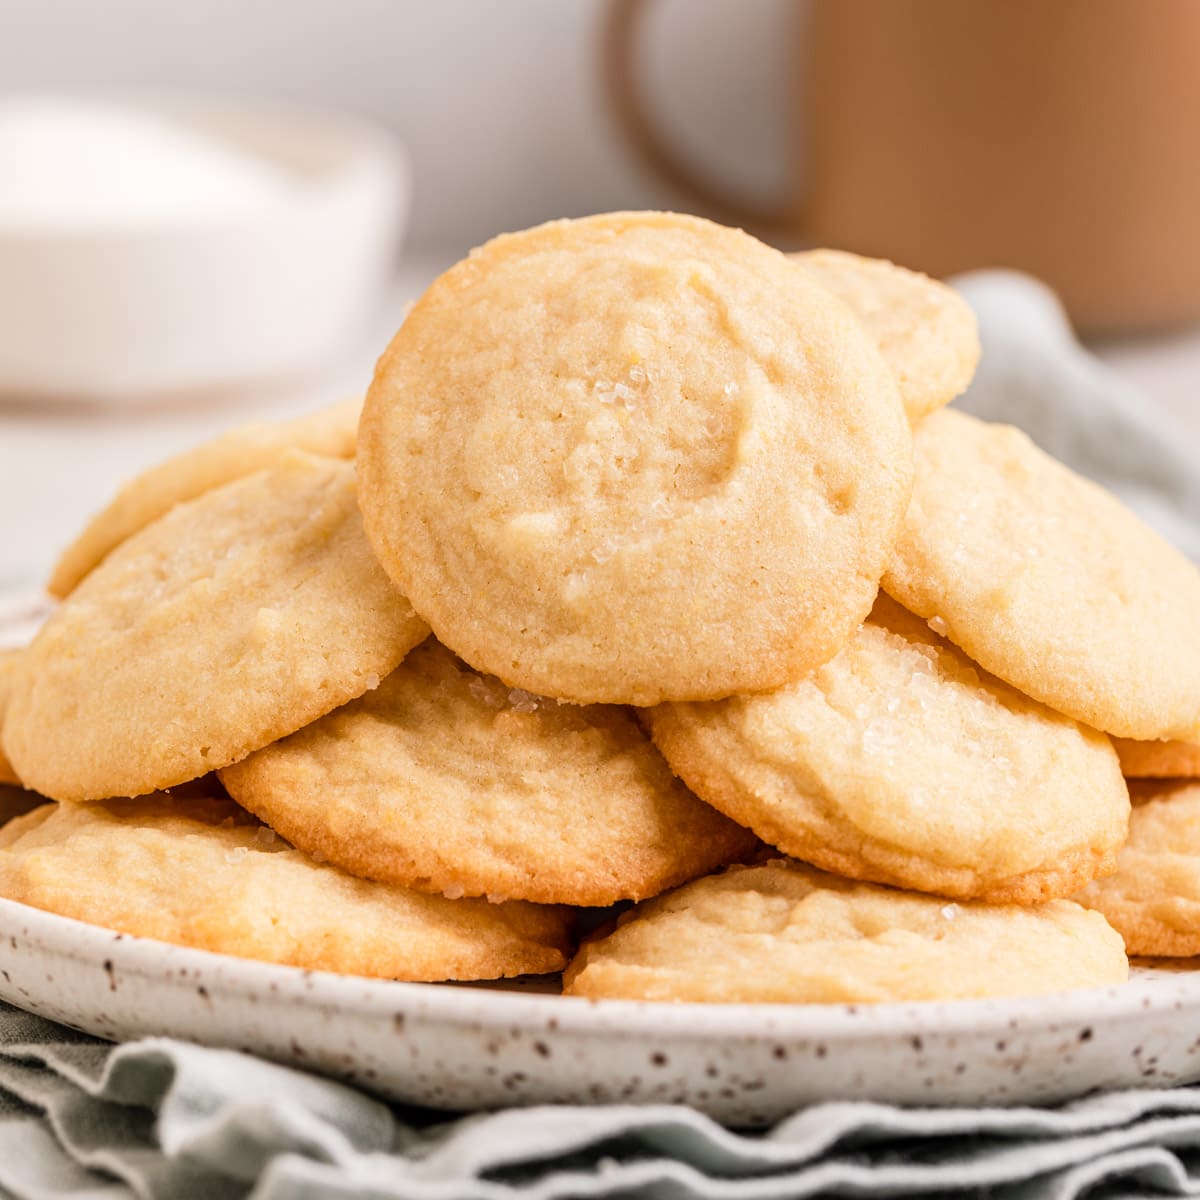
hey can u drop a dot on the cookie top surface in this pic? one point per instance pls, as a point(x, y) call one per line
point(632, 458)
point(446, 780)
point(1154, 898)
point(232, 455)
point(1158, 760)
point(1048, 581)
point(784, 933)
point(233, 621)
point(200, 873)
point(899, 762)
point(925, 330)
point(8, 669)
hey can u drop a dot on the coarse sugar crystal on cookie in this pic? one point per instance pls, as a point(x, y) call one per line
point(898, 761)
point(784, 933)
point(198, 872)
point(1047, 581)
point(632, 458)
point(925, 330)
point(1153, 900)
point(449, 781)
point(232, 455)
point(1158, 760)
point(229, 623)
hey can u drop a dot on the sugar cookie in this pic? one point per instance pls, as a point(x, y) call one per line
point(784, 933)
point(445, 780)
point(233, 455)
point(1154, 898)
point(1158, 760)
point(200, 873)
point(1048, 581)
point(897, 761)
point(925, 330)
point(632, 458)
point(233, 621)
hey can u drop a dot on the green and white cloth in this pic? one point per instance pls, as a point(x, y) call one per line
point(162, 1119)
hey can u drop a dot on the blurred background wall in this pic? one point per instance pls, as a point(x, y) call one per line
point(501, 105)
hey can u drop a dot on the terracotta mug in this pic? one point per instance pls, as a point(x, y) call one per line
point(1060, 137)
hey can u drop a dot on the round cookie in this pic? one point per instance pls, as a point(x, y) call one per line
point(1047, 581)
point(632, 458)
point(8, 670)
point(233, 621)
point(198, 872)
point(898, 762)
point(786, 934)
point(1154, 898)
point(1158, 760)
point(445, 780)
point(233, 455)
point(925, 330)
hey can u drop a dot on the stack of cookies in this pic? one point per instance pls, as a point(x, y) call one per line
point(652, 574)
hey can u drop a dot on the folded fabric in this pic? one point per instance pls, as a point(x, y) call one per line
point(158, 1118)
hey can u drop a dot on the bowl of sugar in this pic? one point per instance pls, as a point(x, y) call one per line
point(154, 250)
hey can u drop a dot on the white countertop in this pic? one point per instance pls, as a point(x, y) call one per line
point(57, 467)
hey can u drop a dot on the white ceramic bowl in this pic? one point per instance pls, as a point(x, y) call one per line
point(124, 315)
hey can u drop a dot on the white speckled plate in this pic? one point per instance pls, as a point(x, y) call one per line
point(463, 1047)
point(473, 1047)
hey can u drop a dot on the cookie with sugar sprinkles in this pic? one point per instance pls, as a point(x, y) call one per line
point(233, 621)
point(782, 933)
point(446, 780)
point(1048, 581)
point(925, 330)
point(233, 455)
point(632, 458)
point(199, 872)
point(899, 761)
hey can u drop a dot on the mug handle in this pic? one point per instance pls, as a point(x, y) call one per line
point(621, 29)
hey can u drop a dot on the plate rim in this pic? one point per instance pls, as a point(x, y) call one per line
point(118, 953)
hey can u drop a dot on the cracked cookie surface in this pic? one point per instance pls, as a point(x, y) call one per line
point(899, 761)
point(1153, 900)
point(199, 872)
point(634, 457)
point(1048, 581)
point(925, 330)
point(447, 780)
point(233, 621)
point(232, 455)
point(785, 933)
